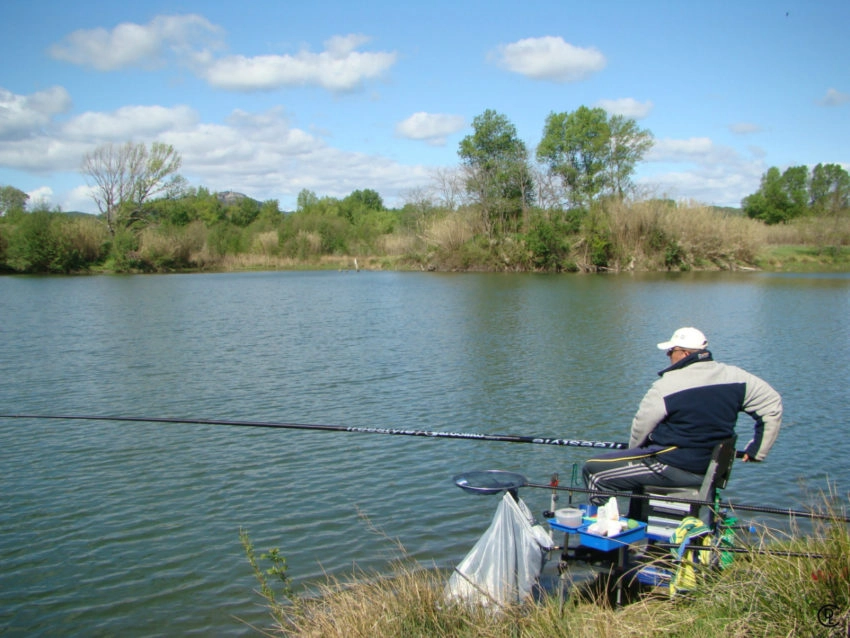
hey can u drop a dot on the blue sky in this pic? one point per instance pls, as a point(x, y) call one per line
point(270, 97)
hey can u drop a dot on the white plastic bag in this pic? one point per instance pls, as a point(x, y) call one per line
point(505, 563)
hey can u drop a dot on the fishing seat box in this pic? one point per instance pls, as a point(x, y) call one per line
point(664, 516)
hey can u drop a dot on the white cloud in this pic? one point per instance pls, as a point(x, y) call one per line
point(340, 67)
point(24, 115)
point(47, 145)
point(834, 97)
point(745, 128)
point(129, 122)
point(550, 58)
point(691, 149)
point(627, 107)
point(79, 198)
point(40, 197)
point(259, 154)
point(432, 127)
point(193, 40)
point(705, 171)
point(131, 44)
point(726, 189)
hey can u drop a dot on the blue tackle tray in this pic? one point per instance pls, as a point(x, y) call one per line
point(608, 543)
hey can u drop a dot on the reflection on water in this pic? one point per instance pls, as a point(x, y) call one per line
point(134, 528)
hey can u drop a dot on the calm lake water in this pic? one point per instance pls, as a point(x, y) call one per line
point(133, 529)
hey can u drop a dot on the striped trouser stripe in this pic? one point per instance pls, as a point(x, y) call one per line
point(626, 471)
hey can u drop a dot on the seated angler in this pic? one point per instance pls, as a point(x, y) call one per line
point(690, 409)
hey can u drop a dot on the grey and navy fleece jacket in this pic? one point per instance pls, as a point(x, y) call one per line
point(695, 405)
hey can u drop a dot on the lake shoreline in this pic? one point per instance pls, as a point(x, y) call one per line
point(781, 259)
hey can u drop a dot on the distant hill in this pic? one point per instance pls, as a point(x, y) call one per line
point(77, 213)
point(229, 198)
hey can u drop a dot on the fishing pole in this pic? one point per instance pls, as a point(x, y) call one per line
point(506, 438)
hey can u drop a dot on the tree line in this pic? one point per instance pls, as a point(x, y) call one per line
point(796, 192)
point(571, 204)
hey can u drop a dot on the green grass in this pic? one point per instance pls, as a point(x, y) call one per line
point(777, 588)
point(802, 258)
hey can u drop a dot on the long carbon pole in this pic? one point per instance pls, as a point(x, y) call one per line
point(505, 438)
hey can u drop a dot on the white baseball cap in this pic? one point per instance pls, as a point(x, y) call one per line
point(688, 338)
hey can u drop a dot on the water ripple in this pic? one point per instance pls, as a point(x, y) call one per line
point(133, 529)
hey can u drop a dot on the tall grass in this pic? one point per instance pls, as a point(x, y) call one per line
point(169, 247)
point(810, 231)
point(450, 231)
point(788, 588)
point(784, 586)
point(87, 236)
point(656, 234)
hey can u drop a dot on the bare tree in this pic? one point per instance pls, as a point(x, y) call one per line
point(449, 185)
point(125, 177)
point(549, 188)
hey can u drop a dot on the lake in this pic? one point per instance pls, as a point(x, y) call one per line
point(133, 528)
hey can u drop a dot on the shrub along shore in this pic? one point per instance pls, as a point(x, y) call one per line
point(614, 236)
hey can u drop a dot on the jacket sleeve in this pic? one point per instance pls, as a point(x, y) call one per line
point(650, 413)
point(764, 405)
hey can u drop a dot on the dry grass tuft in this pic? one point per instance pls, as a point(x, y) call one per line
point(657, 234)
point(811, 231)
point(451, 231)
point(399, 244)
point(266, 243)
point(87, 235)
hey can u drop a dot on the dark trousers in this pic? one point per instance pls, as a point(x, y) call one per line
point(633, 469)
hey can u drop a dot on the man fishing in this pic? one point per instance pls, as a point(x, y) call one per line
point(692, 406)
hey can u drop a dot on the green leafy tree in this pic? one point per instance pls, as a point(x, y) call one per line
point(769, 202)
point(592, 154)
point(51, 242)
point(306, 200)
point(244, 212)
point(498, 177)
point(270, 215)
point(208, 208)
point(12, 200)
point(829, 189)
point(174, 212)
point(359, 203)
point(795, 181)
point(576, 146)
point(368, 198)
point(32, 246)
point(781, 197)
point(628, 146)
